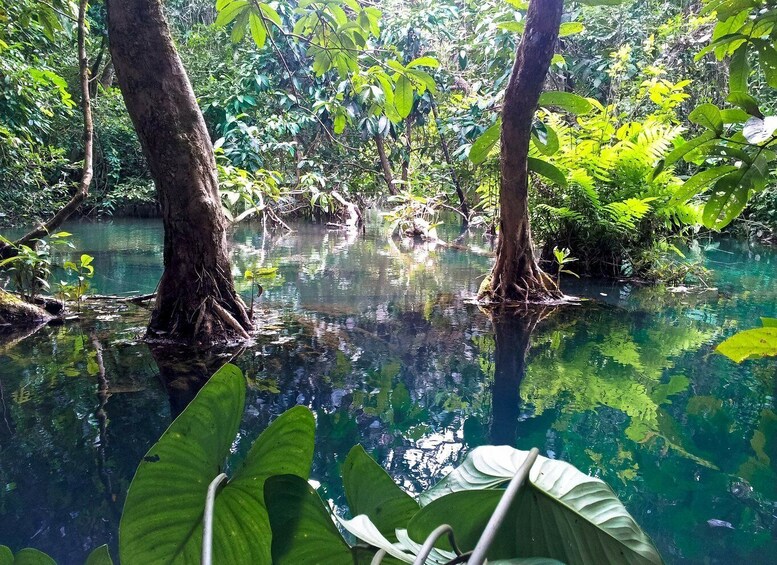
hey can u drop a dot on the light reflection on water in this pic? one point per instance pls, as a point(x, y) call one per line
point(378, 340)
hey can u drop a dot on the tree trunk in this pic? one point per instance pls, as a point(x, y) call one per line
point(385, 165)
point(87, 171)
point(408, 149)
point(106, 77)
point(196, 299)
point(516, 275)
point(96, 67)
point(454, 177)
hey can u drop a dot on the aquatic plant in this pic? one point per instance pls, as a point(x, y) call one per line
point(267, 511)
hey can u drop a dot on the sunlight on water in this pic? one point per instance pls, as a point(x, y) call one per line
point(378, 340)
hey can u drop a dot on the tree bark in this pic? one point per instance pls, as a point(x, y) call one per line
point(388, 176)
point(516, 275)
point(196, 299)
point(106, 77)
point(408, 149)
point(463, 206)
point(87, 171)
point(96, 66)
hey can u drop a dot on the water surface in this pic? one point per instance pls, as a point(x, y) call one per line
point(379, 340)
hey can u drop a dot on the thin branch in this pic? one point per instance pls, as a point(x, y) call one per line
point(87, 171)
point(58, 11)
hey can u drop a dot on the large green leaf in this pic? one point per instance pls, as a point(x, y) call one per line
point(230, 10)
point(707, 116)
point(750, 344)
point(547, 170)
point(700, 181)
point(403, 96)
point(739, 70)
point(303, 530)
point(572, 103)
point(682, 150)
point(162, 519)
point(730, 194)
point(27, 556)
point(746, 102)
point(560, 513)
point(483, 144)
point(99, 556)
point(371, 491)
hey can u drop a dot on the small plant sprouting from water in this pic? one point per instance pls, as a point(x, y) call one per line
point(563, 258)
point(83, 271)
point(253, 276)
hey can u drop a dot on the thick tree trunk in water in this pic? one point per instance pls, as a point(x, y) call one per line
point(516, 275)
point(385, 165)
point(196, 299)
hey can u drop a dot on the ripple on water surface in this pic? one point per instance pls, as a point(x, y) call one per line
point(378, 340)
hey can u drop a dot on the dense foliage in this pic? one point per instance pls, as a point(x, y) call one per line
point(313, 106)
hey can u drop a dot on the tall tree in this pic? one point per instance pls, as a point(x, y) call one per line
point(516, 275)
point(196, 299)
point(87, 171)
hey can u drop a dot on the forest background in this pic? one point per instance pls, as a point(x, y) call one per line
point(409, 118)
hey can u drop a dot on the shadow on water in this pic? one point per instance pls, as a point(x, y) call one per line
point(183, 371)
point(513, 328)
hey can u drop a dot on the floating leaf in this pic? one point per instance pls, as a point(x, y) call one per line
point(26, 556)
point(99, 556)
point(750, 344)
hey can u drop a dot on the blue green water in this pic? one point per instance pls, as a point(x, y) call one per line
point(380, 341)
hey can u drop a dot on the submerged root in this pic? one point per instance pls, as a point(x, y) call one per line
point(528, 285)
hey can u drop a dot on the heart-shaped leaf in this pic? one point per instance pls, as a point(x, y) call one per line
point(303, 530)
point(163, 514)
point(27, 556)
point(371, 491)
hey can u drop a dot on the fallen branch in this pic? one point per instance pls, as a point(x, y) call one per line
point(133, 299)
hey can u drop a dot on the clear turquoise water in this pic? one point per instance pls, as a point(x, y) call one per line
point(379, 341)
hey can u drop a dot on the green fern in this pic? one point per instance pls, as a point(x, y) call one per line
point(614, 208)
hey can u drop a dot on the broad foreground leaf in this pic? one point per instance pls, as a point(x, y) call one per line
point(162, 519)
point(303, 530)
point(561, 513)
point(27, 556)
point(371, 491)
